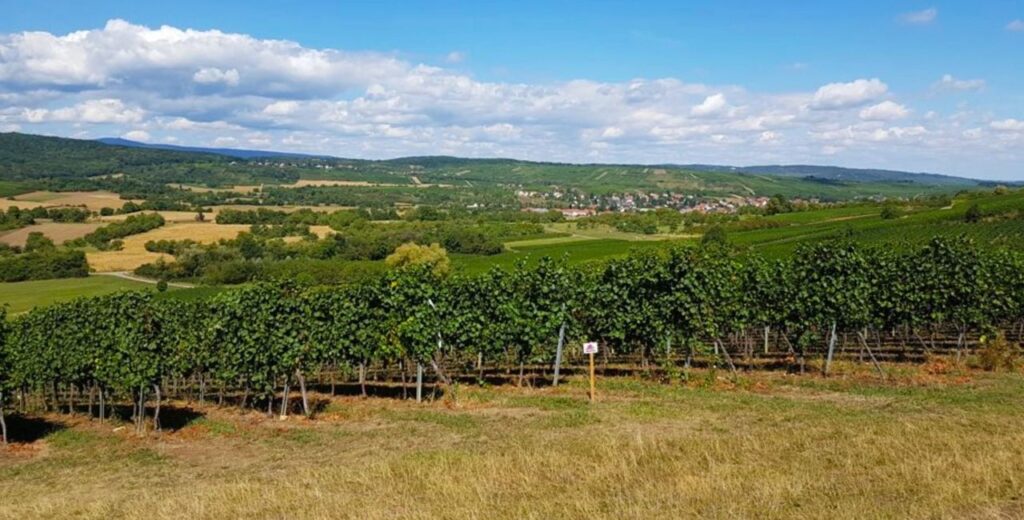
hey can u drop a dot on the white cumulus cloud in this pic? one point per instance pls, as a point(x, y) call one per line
point(1016, 25)
point(884, 111)
point(202, 87)
point(1008, 125)
point(845, 95)
point(712, 105)
point(137, 135)
point(207, 75)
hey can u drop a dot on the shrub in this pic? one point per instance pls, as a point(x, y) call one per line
point(997, 354)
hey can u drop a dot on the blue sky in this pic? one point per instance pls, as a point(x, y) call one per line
point(936, 86)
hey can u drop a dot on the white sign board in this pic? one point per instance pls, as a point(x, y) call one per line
point(590, 347)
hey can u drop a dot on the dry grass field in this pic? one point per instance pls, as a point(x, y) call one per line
point(920, 445)
point(203, 189)
point(93, 200)
point(59, 232)
point(134, 253)
point(169, 216)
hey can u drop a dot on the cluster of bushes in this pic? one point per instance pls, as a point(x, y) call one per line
point(252, 255)
point(40, 260)
point(16, 217)
point(107, 237)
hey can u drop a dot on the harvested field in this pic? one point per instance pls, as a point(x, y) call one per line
point(169, 216)
point(134, 252)
point(93, 200)
point(59, 232)
point(203, 189)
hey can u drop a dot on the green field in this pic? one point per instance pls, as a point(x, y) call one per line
point(1003, 225)
point(922, 445)
point(10, 188)
point(22, 296)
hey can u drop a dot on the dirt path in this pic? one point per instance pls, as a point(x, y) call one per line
point(129, 276)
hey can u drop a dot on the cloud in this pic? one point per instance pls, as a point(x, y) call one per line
point(884, 111)
point(923, 17)
point(455, 57)
point(211, 87)
point(712, 105)
point(846, 95)
point(1016, 25)
point(126, 54)
point(950, 83)
point(90, 111)
point(137, 135)
point(1008, 125)
point(208, 75)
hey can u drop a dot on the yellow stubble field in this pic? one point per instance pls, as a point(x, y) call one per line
point(134, 253)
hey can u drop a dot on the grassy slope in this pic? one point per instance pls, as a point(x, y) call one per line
point(612, 179)
point(776, 447)
point(915, 227)
point(22, 296)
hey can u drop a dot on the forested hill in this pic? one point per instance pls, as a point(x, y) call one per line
point(813, 172)
point(25, 156)
point(838, 173)
point(69, 163)
point(230, 152)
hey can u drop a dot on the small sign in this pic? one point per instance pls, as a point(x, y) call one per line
point(590, 347)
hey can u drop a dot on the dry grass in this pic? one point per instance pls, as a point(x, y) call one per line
point(57, 231)
point(772, 447)
point(134, 253)
point(244, 207)
point(169, 216)
point(93, 200)
point(241, 188)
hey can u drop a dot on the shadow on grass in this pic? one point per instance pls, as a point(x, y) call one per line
point(28, 429)
point(174, 418)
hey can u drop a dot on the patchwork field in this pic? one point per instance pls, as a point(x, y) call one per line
point(93, 200)
point(59, 232)
point(134, 253)
point(772, 446)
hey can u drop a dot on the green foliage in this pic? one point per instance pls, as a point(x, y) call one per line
point(103, 237)
point(973, 214)
point(715, 235)
point(43, 264)
point(410, 254)
point(261, 336)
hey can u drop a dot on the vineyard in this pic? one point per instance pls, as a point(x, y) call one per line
point(656, 312)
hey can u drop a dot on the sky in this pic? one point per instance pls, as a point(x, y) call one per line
point(918, 86)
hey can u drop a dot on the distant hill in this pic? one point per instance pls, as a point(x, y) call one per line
point(26, 156)
point(72, 163)
point(837, 173)
point(230, 152)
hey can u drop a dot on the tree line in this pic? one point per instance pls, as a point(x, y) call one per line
point(255, 343)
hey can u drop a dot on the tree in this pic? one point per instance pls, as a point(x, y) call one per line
point(715, 235)
point(411, 254)
point(973, 213)
point(778, 204)
point(890, 212)
point(38, 242)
